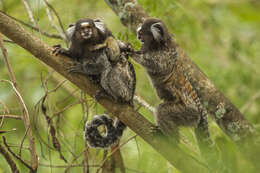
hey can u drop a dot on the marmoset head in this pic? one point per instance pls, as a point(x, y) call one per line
point(153, 34)
point(88, 30)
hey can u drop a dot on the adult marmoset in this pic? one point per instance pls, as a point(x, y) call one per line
point(181, 105)
point(84, 35)
point(117, 75)
point(98, 54)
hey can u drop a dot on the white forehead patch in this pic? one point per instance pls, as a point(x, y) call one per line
point(84, 24)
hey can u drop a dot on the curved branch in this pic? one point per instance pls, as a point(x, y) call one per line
point(125, 113)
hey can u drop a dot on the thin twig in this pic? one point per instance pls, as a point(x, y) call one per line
point(21, 145)
point(85, 160)
point(55, 36)
point(117, 158)
point(52, 130)
point(18, 117)
point(7, 131)
point(6, 110)
point(9, 41)
point(65, 108)
point(52, 23)
point(25, 113)
point(29, 11)
point(141, 101)
point(121, 145)
point(9, 159)
point(65, 166)
point(58, 17)
point(74, 159)
point(16, 156)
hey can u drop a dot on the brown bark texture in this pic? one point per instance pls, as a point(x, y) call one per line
point(125, 113)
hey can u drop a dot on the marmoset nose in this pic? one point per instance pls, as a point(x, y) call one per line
point(86, 30)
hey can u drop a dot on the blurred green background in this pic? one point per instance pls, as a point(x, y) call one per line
point(221, 36)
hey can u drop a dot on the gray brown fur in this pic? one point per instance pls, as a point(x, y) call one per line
point(181, 105)
point(119, 82)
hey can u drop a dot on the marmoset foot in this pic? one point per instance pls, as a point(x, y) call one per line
point(57, 50)
point(76, 68)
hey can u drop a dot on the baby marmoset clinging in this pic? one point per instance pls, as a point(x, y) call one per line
point(181, 105)
point(99, 55)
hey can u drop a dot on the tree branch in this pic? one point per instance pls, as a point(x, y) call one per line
point(125, 113)
point(9, 159)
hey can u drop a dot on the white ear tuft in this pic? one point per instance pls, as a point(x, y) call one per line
point(70, 31)
point(138, 29)
point(157, 31)
point(100, 26)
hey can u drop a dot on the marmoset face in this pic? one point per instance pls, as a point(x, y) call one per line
point(86, 30)
point(146, 33)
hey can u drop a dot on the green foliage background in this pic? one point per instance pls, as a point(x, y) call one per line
point(221, 37)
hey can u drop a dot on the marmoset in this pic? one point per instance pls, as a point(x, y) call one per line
point(84, 35)
point(99, 55)
point(117, 75)
point(181, 105)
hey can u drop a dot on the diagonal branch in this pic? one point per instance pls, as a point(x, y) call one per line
point(125, 113)
point(9, 159)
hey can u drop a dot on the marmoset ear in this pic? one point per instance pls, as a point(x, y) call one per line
point(157, 31)
point(138, 29)
point(100, 26)
point(70, 31)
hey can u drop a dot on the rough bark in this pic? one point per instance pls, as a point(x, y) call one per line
point(125, 113)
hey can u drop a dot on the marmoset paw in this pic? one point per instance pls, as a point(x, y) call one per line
point(76, 68)
point(57, 49)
